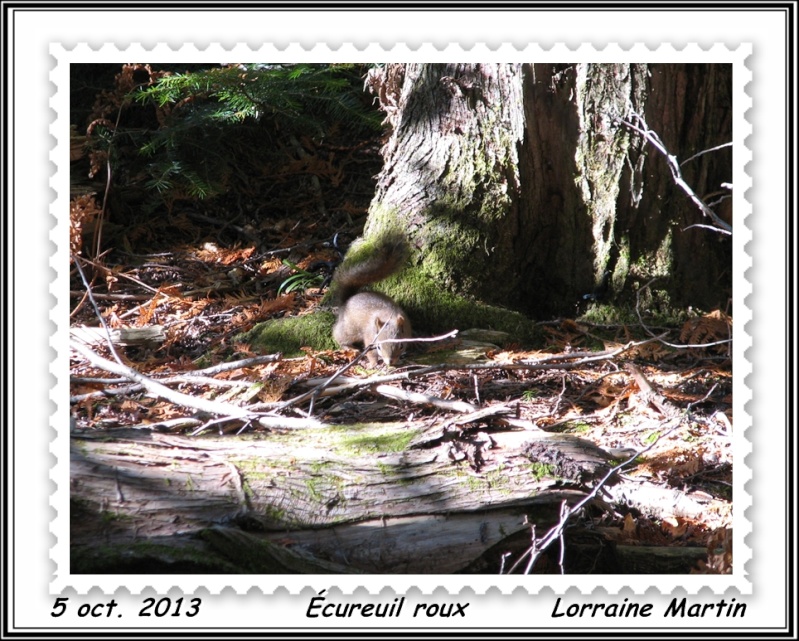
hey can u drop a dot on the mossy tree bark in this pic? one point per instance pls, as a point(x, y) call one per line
point(519, 186)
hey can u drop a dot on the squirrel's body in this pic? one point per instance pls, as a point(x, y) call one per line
point(364, 316)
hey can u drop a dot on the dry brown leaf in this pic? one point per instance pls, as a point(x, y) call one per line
point(229, 257)
point(269, 266)
point(674, 526)
point(273, 388)
point(719, 554)
point(629, 526)
point(712, 327)
point(651, 351)
point(280, 304)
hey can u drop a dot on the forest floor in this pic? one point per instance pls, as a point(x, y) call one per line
point(205, 272)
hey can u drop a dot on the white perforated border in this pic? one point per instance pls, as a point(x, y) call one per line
point(639, 53)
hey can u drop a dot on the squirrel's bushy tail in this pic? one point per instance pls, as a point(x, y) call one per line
point(384, 258)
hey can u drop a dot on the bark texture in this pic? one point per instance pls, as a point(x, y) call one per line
point(451, 174)
point(520, 186)
point(376, 498)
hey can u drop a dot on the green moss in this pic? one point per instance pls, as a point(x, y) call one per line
point(651, 437)
point(573, 427)
point(319, 467)
point(474, 483)
point(360, 438)
point(496, 480)
point(457, 231)
point(454, 261)
point(254, 468)
point(321, 488)
point(288, 335)
point(314, 486)
point(395, 473)
point(203, 361)
point(274, 513)
point(541, 470)
point(604, 314)
point(247, 489)
point(434, 309)
point(660, 312)
point(622, 268)
point(78, 506)
point(107, 516)
point(395, 441)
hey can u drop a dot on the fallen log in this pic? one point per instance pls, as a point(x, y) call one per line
point(377, 498)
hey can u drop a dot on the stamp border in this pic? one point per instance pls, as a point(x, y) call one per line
point(739, 324)
point(454, 584)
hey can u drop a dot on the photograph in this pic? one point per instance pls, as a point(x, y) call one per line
point(401, 318)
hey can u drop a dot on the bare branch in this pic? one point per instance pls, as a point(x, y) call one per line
point(226, 367)
point(556, 531)
point(660, 337)
point(97, 311)
point(652, 138)
point(424, 399)
point(211, 407)
point(705, 151)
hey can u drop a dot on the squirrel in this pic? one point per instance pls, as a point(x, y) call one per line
point(366, 316)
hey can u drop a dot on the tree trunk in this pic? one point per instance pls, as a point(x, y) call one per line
point(520, 186)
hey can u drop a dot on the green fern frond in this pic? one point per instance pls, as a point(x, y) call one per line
point(210, 114)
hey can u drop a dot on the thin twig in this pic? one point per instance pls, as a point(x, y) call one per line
point(231, 412)
point(426, 339)
point(550, 362)
point(123, 275)
point(226, 367)
point(316, 391)
point(204, 405)
point(556, 530)
point(652, 138)
point(424, 399)
point(705, 151)
point(660, 337)
point(97, 311)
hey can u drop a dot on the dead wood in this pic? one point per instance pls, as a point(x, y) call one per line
point(143, 485)
point(151, 336)
point(203, 405)
point(374, 498)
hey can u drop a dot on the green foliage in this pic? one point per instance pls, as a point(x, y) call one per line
point(651, 437)
point(303, 98)
point(301, 280)
point(216, 120)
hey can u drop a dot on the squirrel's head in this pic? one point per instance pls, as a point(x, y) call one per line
point(390, 352)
